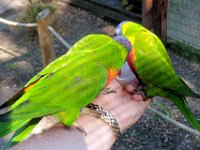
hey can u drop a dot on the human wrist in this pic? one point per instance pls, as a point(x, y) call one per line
point(108, 103)
point(94, 128)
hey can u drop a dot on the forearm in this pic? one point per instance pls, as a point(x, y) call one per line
point(57, 137)
point(99, 136)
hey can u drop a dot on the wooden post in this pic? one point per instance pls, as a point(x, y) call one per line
point(45, 37)
point(147, 18)
point(154, 17)
point(160, 19)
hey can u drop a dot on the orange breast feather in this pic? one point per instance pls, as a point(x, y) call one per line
point(112, 73)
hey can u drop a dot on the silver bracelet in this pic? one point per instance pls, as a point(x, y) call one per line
point(98, 112)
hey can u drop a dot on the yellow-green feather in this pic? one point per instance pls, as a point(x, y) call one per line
point(152, 60)
point(82, 69)
point(154, 67)
point(67, 84)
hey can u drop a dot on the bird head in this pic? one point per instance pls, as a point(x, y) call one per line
point(128, 30)
point(123, 41)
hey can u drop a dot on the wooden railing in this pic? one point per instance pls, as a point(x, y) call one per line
point(45, 32)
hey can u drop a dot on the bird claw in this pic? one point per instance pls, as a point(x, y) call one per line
point(140, 92)
point(81, 129)
point(106, 91)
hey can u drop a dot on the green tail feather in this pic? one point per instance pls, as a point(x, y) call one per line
point(183, 106)
point(9, 127)
point(178, 100)
point(22, 132)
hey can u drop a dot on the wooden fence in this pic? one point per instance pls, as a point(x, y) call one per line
point(184, 21)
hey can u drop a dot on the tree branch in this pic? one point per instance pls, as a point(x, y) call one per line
point(174, 122)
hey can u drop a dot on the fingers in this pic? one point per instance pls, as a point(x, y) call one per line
point(137, 97)
point(146, 103)
point(129, 88)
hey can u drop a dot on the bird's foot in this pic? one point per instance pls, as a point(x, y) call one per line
point(106, 91)
point(140, 92)
point(78, 127)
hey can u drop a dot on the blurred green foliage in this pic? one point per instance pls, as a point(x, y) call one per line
point(10, 67)
point(30, 13)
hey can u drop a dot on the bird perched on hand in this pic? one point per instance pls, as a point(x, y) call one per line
point(65, 86)
point(151, 63)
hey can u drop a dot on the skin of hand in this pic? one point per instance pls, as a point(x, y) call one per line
point(124, 106)
point(127, 108)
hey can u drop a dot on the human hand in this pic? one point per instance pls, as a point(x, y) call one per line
point(126, 108)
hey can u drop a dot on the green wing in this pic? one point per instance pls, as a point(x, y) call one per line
point(72, 81)
point(73, 87)
point(102, 45)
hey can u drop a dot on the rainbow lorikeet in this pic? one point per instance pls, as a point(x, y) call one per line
point(65, 86)
point(151, 63)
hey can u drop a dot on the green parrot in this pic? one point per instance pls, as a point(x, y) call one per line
point(65, 86)
point(151, 64)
